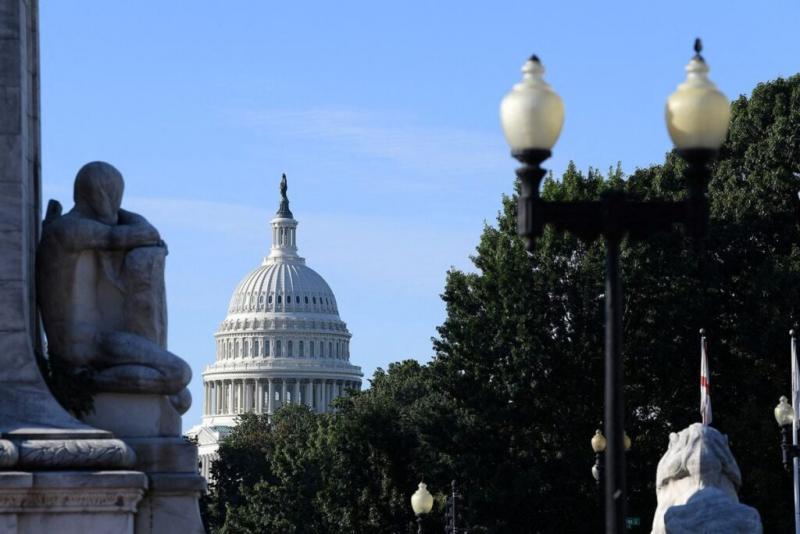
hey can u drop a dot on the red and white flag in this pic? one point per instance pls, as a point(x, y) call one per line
point(705, 384)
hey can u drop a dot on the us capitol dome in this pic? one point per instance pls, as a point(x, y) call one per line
point(282, 342)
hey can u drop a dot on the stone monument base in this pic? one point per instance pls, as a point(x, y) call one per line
point(70, 502)
point(132, 415)
point(171, 504)
point(151, 426)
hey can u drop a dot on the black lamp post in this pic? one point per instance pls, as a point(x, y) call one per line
point(599, 444)
point(697, 116)
point(787, 420)
point(784, 415)
point(452, 506)
point(422, 504)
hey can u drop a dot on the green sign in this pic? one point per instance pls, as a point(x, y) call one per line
point(633, 521)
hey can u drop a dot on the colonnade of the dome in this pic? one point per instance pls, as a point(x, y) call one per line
point(265, 395)
point(205, 461)
point(254, 346)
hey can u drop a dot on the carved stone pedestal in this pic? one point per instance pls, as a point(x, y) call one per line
point(70, 502)
point(129, 415)
point(151, 426)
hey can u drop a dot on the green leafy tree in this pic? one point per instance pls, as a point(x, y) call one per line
point(243, 462)
point(278, 494)
point(527, 330)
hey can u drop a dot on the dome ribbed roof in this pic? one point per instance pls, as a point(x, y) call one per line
point(283, 287)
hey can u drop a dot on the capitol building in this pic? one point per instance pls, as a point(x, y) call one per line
point(282, 342)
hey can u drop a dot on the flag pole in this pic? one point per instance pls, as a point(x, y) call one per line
point(705, 382)
point(795, 403)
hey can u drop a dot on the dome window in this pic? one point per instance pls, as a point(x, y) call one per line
point(279, 299)
point(270, 299)
point(311, 346)
point(314, 299)
point(300, 350)
point(266, 347)
point(297, 299)
point(289, 349)
point(306, 299)
point(278, 352)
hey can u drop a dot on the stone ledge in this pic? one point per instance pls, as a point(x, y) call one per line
point(71, 491)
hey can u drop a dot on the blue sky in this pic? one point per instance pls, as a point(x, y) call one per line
point(384, 117)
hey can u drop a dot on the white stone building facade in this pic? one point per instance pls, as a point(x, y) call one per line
point(282, 342)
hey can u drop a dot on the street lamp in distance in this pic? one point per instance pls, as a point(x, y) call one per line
point(784, 416)
point(422, 504)
point(599, 443)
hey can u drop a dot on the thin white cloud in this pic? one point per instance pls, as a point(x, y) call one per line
point(390, 136)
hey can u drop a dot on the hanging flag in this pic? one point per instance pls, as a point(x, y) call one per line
point(705, 382)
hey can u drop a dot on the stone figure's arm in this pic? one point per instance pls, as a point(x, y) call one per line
point(129, 218)
point(86, 234)
point(138, 226)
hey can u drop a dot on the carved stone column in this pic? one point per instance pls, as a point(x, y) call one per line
point(270, 396)
point(259, 396)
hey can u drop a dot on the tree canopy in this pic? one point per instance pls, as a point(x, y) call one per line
point(514, 391)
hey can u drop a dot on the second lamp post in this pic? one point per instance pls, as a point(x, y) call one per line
point(422, 504)
point(532, 115)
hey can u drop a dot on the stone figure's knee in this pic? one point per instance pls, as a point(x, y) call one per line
point(185, 372)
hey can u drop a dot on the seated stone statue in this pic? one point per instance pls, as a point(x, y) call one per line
point(100, 277)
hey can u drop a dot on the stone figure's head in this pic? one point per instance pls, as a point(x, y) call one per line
point(701, 454)
point(697, 484)
point(98, 191)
